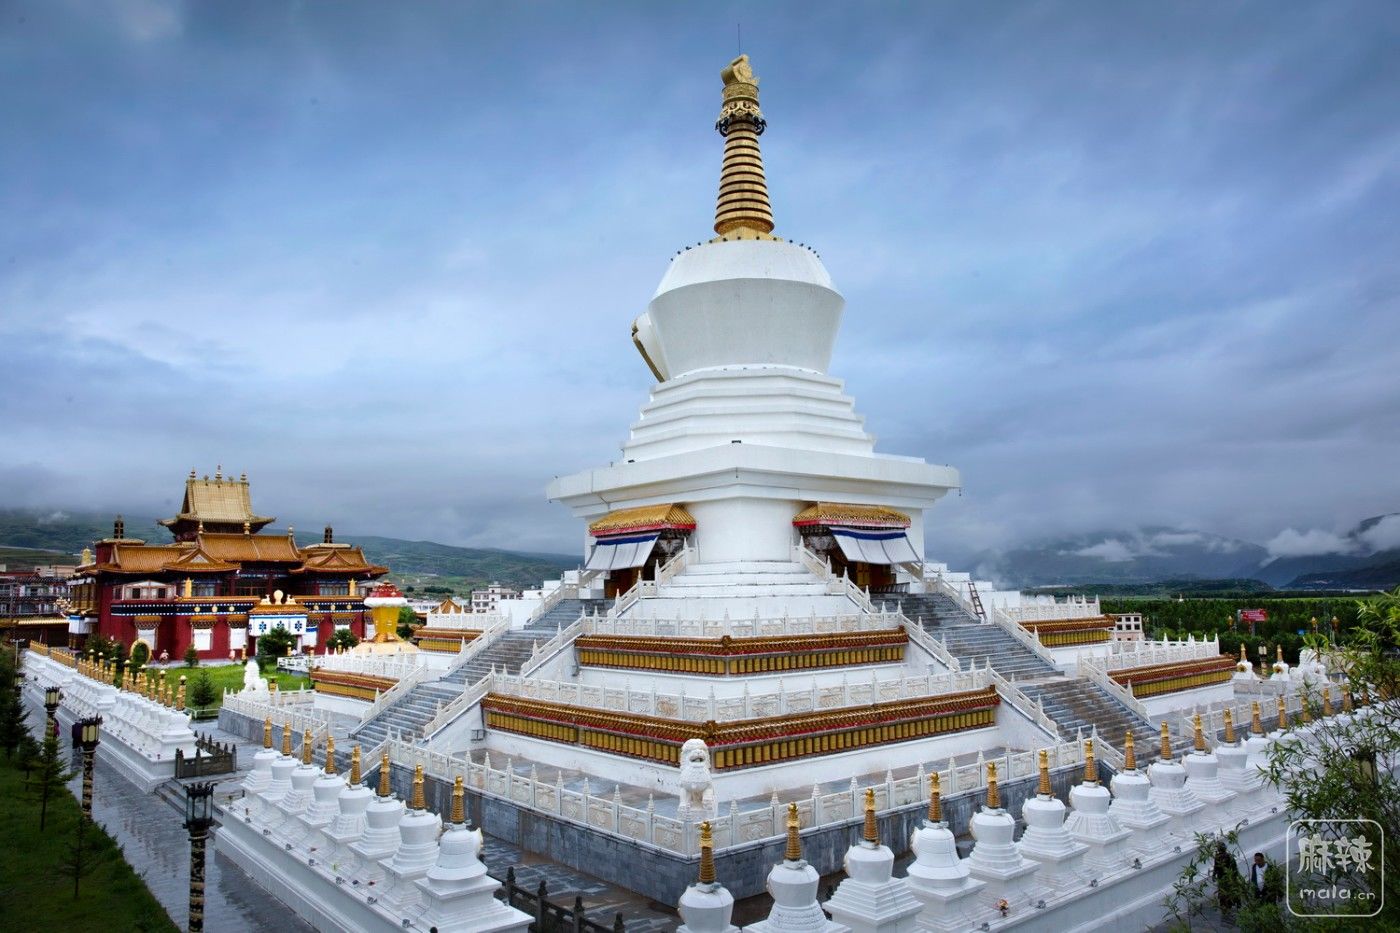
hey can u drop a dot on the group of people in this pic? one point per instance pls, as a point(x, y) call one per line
point(1262, 881)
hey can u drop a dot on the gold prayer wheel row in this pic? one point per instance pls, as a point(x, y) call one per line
point(1081, 637)
point(1160, 678)
point(758, 664)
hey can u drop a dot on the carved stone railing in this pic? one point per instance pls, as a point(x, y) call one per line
point(396, 692)
point(742, 628)
point(372, 665)
point(1000, 618)
point(1147, 653)
point(1092, 669)
point(283, 710)
point(835, 585)
point(541, 654)
point(1072, 608)
point(458, 707)
point(664, 573)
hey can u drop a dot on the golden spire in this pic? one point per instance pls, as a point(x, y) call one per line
point(1229, 727)
point(267, 732)
point(1304, 715)
point(794, 841)
point(1242, 657)
point(993, 798)
point(935, 799)
point(1256, 724)
point(459, 801)
point(418, 803)
point(330, 754)
point(742, 211)
point(180, 695)
point(872, 829)
point(355, 766)
point(707, 854)
point(306, 745)
point(1091, 766)
point(1044, 790)
point(1200, 735)
point(1327, 701)
point(1166, 743)
point(1280, 653)
point(1129, 753)
point(1282, 714)
point(384, 789)
point(287, 739)
point(1346, 700)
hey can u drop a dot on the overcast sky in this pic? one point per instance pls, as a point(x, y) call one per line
point(1122, 264)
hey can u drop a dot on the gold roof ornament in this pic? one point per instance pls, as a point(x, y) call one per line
point(1091, 766)
point(384, 789)
point(1327, 701)
point(1304, 714)
point(742, 210)
point(306, 744)
point(459, 797)
point(180, 695)
point(1282, 714)
point(794, 839)
point(355, 766)
point(1346, 701)
point(1200, 734)
point(330, 754)
point(668, 516)
point(872, 829)
point(935, 799)
point(842, 513)
point(707, 854)
point(1256, 722)
point(287, 739)
point(1166, 750)
point(418, 802)
point(1129, 753)
point(1229, 727)
point(1044, 789)
point(993, 796)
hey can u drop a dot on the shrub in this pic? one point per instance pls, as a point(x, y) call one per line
point(191, 656)
point(202, 693)
point(272, 646)
point(140, 654)
point(342, 638)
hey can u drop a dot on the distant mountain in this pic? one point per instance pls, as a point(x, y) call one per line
point(69, 532)
point(1368, 557)
point(1145, 555)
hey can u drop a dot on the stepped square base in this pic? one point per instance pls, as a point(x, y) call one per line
point(950, 908)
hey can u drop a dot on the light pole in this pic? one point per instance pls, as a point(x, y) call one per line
point(52, 696)
point(199, 816)
point(88, 738)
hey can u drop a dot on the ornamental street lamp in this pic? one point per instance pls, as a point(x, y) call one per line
point(52, 696)
point(199, 816)
point(88, 738)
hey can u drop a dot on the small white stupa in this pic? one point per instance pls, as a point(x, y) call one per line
point(281, 783)
point(995, 858)
point(349, 823)
point(1234, 757)
point(706, 906)
point(1046, 839)
point(937, 876)
point(871, 899)
point(1091, 823)
point(1280, 674)
point(380, 838)
point(1257, 745)
point(1132, 804)
point(1244, 671)
point(325, 801)
point(793, 886)
point(298, 798)
point(417, 851)
point(1203, 776)
point(260, 777)
point(1169, 790)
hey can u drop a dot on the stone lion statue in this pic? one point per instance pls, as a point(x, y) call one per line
point(697, 787)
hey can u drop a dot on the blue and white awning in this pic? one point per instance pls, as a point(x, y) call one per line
point(622, 552)
point(875, 546)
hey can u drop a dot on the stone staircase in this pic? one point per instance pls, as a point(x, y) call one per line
point(1076, 703)
point(412, 711)
point(967, 638)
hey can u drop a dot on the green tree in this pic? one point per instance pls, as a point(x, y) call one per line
point(202, 692)
point(50, 772)
point(12, 728)
point(408, 621)
point(342, 638)
point(272, 646)
point(140, 654)
point(191, 656)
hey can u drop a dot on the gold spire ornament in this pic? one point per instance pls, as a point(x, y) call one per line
point(1200, 735)
point(742, 211)
point(459, 801)
point(1304, 714)
point(1091, 766)
point(1327, 701)
point(707, 854)
point(872, 829)
point(1166, 751)
point(180, 695)
point(384, 789)
point(306, 747)
point(794, 840)
point(993, 797)
point(418, 803)
point(1229, 727)
point(1044, 789)
point(1282, 714)
point(1129, 753)
point(330, 754)
point(935, 799)
point(355, 766)
point(287, 739)
point(267, 732)
point(1347, 705)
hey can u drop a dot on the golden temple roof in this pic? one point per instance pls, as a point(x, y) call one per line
point(838, 513)
point(337, 560)
point(667, 515)
point(220, 500)
point(236, 547)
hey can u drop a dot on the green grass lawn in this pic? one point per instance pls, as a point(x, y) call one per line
point(230, 677)
point(37, 895)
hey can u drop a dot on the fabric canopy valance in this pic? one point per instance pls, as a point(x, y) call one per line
point(622, 552)
point(861, 545)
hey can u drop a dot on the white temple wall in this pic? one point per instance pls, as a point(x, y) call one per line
point(744, 529)
point(1167, 703)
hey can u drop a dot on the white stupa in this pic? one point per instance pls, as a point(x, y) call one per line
point(1046, 839)
point(1169, 790)
point(1133, 806)
point(1091, 823)
point(937, 876)
point(792, 884)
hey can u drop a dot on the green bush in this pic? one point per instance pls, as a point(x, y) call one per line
point(140, 654)
point(342, 638)
point(202, 693)
point(272, 646)
point(191, 656)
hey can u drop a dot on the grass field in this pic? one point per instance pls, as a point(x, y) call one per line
point(36, 894)
point(230, 677)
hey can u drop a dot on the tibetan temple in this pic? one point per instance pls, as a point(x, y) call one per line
point(220, 583)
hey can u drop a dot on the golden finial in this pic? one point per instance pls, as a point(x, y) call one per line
point(935, 799)
point(1327, 701)
point(1304, 715)
point(742, 210)
point(306, 744)
point(180, 695)
point(1282, 713)
point(707, 854)
point(1229, 727)
point(1091, 766)
point(1256, 724)
point(459, 801)
point(267, 732)
point(1200, 735)
point(1346, 701)
point(1243, 659)
point(330, 754)
point(418, 803)
point(355, 766)
point(1166, 743)
point(794, 840)
point(1129, 753)
point(872, 829)
point(993, 797)
point(287, 739)
point(1280, 653)
point(1044, 790)
point(384, 789)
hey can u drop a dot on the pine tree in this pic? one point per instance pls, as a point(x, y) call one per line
point(51, 772)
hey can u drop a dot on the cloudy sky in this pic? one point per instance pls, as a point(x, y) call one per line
point(1123, 264)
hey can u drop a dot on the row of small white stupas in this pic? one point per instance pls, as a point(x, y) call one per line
point(1065, 856)
point(351, 858)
